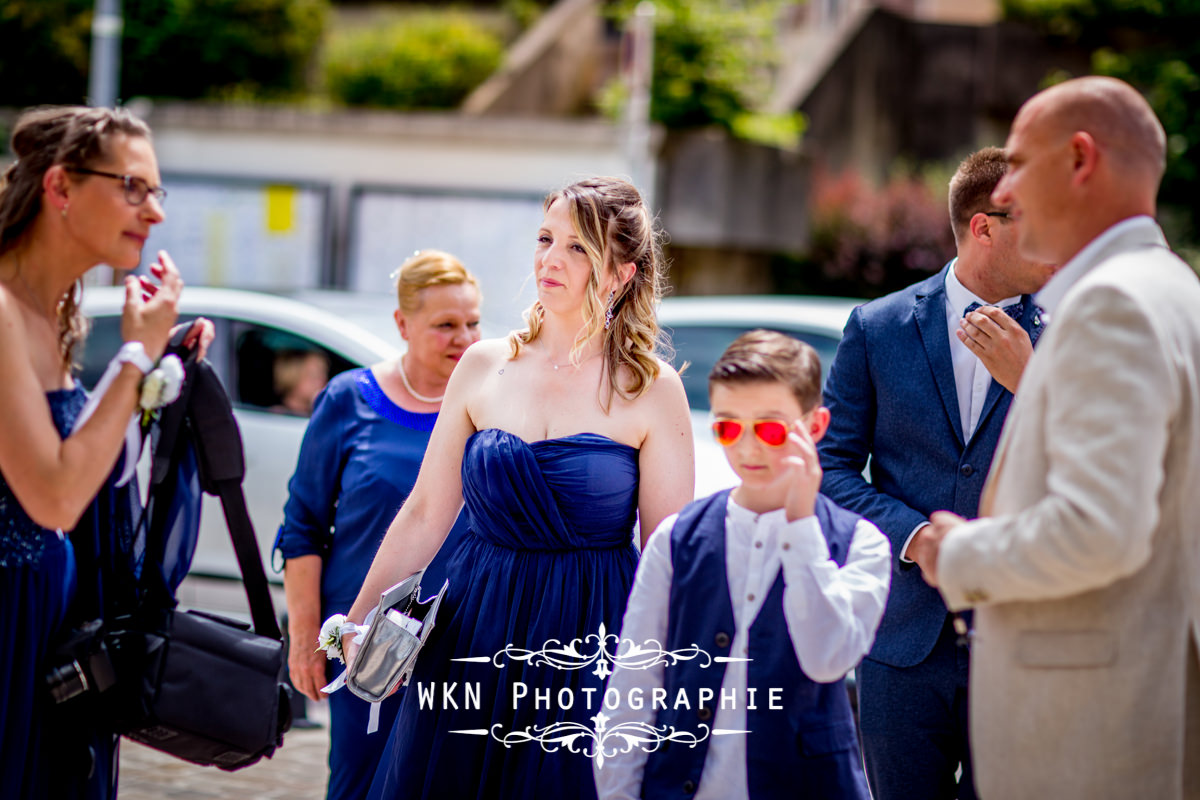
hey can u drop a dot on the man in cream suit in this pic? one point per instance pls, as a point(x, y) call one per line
point(1085, 570)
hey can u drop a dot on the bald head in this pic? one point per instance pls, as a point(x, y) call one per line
point(1114, 114)
point(1082, 156)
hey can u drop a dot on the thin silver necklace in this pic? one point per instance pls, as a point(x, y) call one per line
point(556, 366)
point(408, 386)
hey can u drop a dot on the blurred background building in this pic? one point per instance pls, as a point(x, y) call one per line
point(797, 147)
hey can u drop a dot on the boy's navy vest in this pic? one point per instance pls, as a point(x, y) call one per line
point(808, 748)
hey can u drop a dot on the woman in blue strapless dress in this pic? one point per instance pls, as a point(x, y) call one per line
point(84, 191)
point(556, 440)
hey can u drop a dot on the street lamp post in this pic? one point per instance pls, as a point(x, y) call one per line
point(105, 74)
point(637, 110)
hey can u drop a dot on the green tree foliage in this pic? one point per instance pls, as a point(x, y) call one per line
point(426, 60)
point(713, 64)
point(170, 48)
point(44, 47)
point(1152, 44)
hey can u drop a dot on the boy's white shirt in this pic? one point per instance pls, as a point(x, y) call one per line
point(832, 614)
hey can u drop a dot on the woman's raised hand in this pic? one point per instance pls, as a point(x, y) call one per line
point(150, 310)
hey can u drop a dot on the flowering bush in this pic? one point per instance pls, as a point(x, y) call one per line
point(870, 241)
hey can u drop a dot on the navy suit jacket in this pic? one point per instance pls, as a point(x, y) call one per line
point(892, 398)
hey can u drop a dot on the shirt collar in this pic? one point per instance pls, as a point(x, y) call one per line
point(745, 515)
point(1056, 288)
point(958, 297)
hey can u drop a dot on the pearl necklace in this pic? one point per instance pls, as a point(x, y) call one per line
point(412, 391)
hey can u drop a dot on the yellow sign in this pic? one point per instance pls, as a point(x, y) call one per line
point(281, 208)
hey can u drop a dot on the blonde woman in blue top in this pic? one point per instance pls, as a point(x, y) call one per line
point(358, 462)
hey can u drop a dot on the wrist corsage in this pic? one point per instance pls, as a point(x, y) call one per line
point(330, 638)
point(160, 387)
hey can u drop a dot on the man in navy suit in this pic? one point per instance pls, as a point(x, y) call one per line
point(920, 386)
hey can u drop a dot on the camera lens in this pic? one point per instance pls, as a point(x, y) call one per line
point(66, 682)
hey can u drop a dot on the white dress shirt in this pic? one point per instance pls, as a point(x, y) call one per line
point(1061, 281)
point(832, 614)
point(971, 378)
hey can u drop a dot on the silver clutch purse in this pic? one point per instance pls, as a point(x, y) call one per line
point(398, 629)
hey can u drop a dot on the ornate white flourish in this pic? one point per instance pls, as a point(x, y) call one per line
point(607, 652)
point(600, 742)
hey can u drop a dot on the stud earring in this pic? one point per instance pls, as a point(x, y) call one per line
point(608, 314)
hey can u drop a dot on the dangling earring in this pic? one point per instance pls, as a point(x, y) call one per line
point(64, 211)
point(608, 314)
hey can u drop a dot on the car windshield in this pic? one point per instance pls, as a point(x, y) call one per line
point(699, 346)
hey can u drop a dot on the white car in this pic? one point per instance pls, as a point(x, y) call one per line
point(255, 330)
point(700, 328)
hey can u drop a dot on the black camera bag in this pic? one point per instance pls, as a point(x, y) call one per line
point(198, 686)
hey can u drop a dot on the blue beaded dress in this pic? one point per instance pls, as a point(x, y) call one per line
point(37, 579)
point(548, 559)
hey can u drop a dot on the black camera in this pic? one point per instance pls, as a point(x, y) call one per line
point(83, 664)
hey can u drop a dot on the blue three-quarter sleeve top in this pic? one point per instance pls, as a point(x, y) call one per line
point(358, 463)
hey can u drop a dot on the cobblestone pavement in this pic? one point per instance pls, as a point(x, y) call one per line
point(297, 771)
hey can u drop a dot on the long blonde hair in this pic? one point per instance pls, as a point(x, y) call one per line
point(615, 227)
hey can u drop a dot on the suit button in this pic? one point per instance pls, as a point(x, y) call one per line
point(705, 714)
point(722, 639)
point(975, 596)
point(689, 786)
point(967, 470)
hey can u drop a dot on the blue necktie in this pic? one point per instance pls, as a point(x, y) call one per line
point(1016, 310)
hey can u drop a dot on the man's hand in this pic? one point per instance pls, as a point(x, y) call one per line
point(1000, 343)
point(926, 544)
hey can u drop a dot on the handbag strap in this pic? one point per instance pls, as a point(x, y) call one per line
point(222, 467)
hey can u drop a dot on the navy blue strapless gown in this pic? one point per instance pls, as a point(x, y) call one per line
point(549, 556)
point(36, 580)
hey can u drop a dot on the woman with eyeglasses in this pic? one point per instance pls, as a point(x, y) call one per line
point(83, 191)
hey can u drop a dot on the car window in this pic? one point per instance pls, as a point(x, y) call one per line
point(279, 371)
point(102, 343)
point(104, 340)
point(701, 345)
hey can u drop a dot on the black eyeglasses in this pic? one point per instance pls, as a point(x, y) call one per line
point(136, 189)
point(1000, 214)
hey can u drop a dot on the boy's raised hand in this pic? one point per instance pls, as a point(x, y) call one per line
point(804, 473)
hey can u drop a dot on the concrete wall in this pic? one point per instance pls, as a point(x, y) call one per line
point(350, 151)
point(552, 70)
point(925, 91)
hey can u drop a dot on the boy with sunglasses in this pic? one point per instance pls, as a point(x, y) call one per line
point(763, 597)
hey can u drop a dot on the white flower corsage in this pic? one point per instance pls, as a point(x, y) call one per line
point(161, 386)
point(330, 638)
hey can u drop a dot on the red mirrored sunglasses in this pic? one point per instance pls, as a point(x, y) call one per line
point(771, 432)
